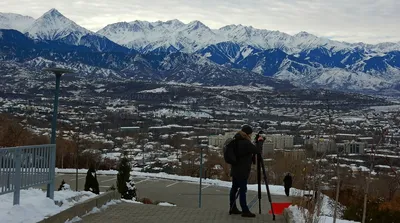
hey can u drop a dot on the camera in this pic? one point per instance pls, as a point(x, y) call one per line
point(260, 134)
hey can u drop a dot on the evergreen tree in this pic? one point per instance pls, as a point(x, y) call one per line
point(126, 186)
point(64, 186)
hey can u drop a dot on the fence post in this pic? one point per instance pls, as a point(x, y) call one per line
point(52, 166)
point(17, 176)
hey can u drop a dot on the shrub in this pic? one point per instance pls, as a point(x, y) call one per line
point(125, 184)
point(64, 186)
point(378, 210)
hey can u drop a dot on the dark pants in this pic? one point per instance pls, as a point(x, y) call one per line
point(287, 190)
point(240, 185)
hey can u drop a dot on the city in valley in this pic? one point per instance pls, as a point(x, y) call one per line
point(162, 127)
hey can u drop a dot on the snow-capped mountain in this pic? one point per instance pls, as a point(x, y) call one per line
point(148, 36)
point(54, 26)
point(194, 53)
point(169, 36)
point(15, 21)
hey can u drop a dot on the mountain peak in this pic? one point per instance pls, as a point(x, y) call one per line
point(193, 25)
point(138, 25)
point(304, 34)
point(53, 13)
point(53, 25)
point(175, 22)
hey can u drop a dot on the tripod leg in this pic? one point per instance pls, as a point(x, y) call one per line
point(266, 185)
point(259, 183)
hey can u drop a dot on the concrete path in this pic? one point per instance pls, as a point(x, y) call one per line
point(127, 212)
point(183, 194)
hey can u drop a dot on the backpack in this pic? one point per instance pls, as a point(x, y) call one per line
point(229, 151)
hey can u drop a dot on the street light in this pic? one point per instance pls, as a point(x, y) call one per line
point(58, 72)
point(202, 147)
point(135, 129)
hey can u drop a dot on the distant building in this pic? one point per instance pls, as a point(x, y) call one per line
point(281, 141)
point(345, 136)
point(219, 140)
point(271, 143)
point(353, 147)
point(322, 145)
point(368, 140)
point(268, 146)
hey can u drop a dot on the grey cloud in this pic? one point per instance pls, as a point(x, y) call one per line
point(345, 20)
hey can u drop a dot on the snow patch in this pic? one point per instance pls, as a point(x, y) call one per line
point(166, 204)
point(75, 219)
point(131, 201)
point(157, 90)
point(35, 206)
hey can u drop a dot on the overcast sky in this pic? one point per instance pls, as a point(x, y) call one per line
point(368, 21)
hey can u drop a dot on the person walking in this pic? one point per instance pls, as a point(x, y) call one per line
point(287, 183)
point(244, 150)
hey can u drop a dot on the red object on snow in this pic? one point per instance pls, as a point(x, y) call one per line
point(279, 207)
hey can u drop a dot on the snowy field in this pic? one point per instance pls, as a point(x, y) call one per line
point(35, 206)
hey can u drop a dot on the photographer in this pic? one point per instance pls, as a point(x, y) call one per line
point(240, 171)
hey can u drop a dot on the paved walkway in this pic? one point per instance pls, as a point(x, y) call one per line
point(183, 194)
point(127, 212)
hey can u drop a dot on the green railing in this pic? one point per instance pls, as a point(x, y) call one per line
point(27, 166)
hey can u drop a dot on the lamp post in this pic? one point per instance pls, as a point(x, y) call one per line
point(58, 72)
point(135, 129)
point(201, 146)
point(201, 170)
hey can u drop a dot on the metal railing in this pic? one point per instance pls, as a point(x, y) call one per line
point(27, 166)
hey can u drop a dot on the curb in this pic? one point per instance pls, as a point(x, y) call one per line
point(83, 208)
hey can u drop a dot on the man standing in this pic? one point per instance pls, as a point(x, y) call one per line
point(288, 183)
point(240, 171)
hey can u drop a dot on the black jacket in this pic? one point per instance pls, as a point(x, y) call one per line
point(244, 149)
point(288, 181)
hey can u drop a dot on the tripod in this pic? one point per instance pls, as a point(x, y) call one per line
point(261, 166)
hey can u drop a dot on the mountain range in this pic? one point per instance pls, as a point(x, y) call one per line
point(194, 53)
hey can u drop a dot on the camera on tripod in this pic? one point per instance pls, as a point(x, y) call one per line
point(260, 134)
point(261, 170)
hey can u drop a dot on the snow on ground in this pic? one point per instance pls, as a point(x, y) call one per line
point(179, 113)
point(166, 204)
point(386, 108)
point(243, 88)
point(299, 215)
point(157, 90)
point(75, 219)
point(112, 156)
point(350, 119)
point(94, 211)
point(35, 206)
point(131, 201)
point(326, 219)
